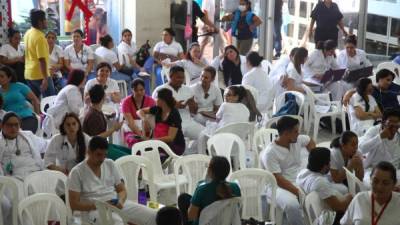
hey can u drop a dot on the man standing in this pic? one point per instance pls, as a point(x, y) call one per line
point(37, 56)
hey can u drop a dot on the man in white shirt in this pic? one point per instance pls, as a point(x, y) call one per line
point(97, 178)
point(283, 158)
point(382, 142)
point(315, 178)
point(184, 102)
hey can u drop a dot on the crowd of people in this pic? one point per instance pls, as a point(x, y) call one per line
point(186, 107)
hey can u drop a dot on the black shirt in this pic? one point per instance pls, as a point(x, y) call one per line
point(173, 120)
point(196, 13)
point(327, 20)
point(278, 10)
point(232, 73)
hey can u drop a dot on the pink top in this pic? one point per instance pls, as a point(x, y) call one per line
point(128, 105)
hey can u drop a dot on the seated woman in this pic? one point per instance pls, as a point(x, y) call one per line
point(258, 78)
point(104, 53)
point(78, 55)
point(168, 122)
point(12, 54)
point(322, 59)
point(214, 188)
point(378, 206)
point(56, 60)
point(363, 109)
point(94, 122)
point(16, 98)
point(207, 96)
point(344, 154)
point(110, 86)
point(193, 64)
point(126, 55)
point(239, 106)
point(68, 148)
point(68, 100)
point(293, 81)
point(130, 105)
point(232, 64)
point(168, 48)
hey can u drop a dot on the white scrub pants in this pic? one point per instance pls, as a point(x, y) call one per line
point(288, 202)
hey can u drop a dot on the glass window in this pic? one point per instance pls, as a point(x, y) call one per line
point(395, 29)
point(303, 9)
point(375, 47)
point(302, 30)
point(377, 24)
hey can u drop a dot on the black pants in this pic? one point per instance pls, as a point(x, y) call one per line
point(183, 205)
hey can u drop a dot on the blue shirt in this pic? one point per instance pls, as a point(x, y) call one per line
point(15, 99)
point(386, 99)
point(206, 193)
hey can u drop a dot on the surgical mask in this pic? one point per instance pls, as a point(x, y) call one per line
point(242, 8)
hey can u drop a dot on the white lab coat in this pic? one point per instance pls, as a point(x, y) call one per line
point(259, 79)
point(356, 62)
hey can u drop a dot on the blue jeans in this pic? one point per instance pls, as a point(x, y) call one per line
point(148, 66)
point(277, 37)
point(159, 79)
point(35, 87)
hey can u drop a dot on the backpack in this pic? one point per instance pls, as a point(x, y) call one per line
point(290, 107)
point(143, 54)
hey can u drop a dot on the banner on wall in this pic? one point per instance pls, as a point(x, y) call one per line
point(5, 20)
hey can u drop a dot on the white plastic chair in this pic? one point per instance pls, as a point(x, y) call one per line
point(279, 101)
point(325, 144)
point(315, 208)
point(261, 139)
point(222, 212)
point(123, 89)
point(314, 102)
point(150, 150)
point(37, 208)
point(46, 103)
point(193, 168)
point(44, 181)
point(244, 130)
point(355, 185)
point(222, 144)
point(107, 213)
point(10, 184)
point(130, 167)
point(266, 66)
point(273, 120)
point(253, 183)
point(394, 67)
point(187, 78)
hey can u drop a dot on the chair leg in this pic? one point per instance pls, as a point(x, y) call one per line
point(316, 127)
point(343, 121)
point(333, 124)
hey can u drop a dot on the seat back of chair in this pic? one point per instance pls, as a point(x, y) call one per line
point(355, 185)
point(223, 144)
point(222, 212)
point(194, 168)
point(10, 184)
point(36, 209)
point(262, 138)
point(44, 181)
point(244, 130)
point(106, 212)
point(130, 167)
point(46, 103)
point(253, 184)
point(325, 144)
point(122, 88)
point(393, 67)
point(150, 150)
point(315, 207)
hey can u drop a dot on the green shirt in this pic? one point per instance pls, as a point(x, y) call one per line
point(206, 193)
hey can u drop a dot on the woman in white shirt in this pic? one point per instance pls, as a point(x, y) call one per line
point(379, 206)
point(168, 48)
point(293, 81)
point(12, 54)
point(258, 78)
point(363, 110)
point(78, 55)
point(111, 88)
point(207, 96)
point(68, 100)
point(104, 53)
point(322, 59)
point(193, 64)
point(352, 58)
point(126, 55)
point(68, 148)
point(56, 60)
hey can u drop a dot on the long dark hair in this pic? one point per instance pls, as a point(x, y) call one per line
point(166, 95)
point(219, 167)
point(10, 73)
point(361, 88)
point(227, 65)
point(246, 98)
point(81, 150)
point(343, 139)
point(298, 58)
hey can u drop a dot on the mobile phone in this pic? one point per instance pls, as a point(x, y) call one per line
point(114, 201)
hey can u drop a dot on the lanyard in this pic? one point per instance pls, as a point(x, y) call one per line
point(373, 220)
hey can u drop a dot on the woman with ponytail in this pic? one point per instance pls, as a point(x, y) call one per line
point(294, 79)
point(363, 110)
point(214, 188)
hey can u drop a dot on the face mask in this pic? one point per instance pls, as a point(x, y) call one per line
point(242, 8)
